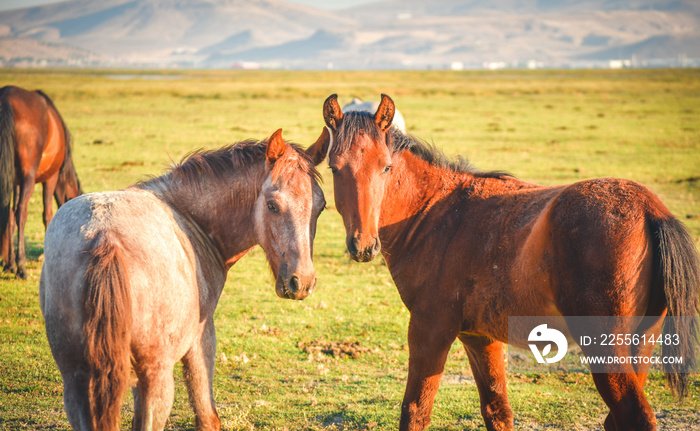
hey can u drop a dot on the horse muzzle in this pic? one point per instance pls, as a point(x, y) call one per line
point(295, 287)
point(363, 253)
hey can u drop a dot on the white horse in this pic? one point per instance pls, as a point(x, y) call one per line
point(131, 278)
point(358, 105)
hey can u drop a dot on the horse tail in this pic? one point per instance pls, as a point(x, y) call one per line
point(107, 331)
point(677, 268)
point(7, 160)
point(67, 170)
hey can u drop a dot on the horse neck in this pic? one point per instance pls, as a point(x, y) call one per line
point(420, 196)
point(219, 211)
point(68, 177)
point(412, 191)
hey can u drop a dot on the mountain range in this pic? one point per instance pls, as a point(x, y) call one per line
point(383, 34)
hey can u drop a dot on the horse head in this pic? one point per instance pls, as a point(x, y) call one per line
point(360, 159)
point(286, 212)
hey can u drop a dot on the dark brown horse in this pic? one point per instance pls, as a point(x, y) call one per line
point(34, 148)
point(468, 249)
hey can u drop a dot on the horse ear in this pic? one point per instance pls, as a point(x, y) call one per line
point(319, 149)
point(332, 113)
point(385, 113)
point(275, 147)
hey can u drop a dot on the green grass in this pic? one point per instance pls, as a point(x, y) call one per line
point(548, 127)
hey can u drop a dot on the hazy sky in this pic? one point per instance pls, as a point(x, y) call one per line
point(322, 4)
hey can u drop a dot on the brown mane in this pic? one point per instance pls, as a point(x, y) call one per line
point(201, 166)
point(230, 158)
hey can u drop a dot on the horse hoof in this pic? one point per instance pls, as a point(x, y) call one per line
point(10, 268)
point(21, 273)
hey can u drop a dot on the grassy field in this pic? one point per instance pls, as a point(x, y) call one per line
point(548, 127)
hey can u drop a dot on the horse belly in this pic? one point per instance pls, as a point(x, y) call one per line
point(512, 276)
point(54, 151)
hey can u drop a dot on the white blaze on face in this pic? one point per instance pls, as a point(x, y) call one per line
point(284, 231)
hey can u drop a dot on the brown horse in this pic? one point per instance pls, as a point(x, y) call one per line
point(131, 278)
point(34, 148)
point(468, 249)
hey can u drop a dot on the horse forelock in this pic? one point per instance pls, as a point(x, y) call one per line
point(353, 123)
point(299, 160)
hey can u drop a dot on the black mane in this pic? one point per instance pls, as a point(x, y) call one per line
point(398, 141)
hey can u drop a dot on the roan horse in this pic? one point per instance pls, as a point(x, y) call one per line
point(132, 278)
point(34, 148)
point(468, 249)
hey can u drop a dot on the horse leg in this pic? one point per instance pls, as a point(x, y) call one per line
point(137, 421)
point(68, 352)
point(5, 243)
point(75, 399)
point(49, 187)
point(650, 326)
point(620, 387)
point(629, 408)
point(487, 364)
point(430, 336)
point(10, 264)
point(199, 374)
point(25, 192)
point(153, 396)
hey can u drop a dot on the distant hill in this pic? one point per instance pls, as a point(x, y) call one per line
point(385, 34)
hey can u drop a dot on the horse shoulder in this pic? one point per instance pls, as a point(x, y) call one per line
point(210, 271)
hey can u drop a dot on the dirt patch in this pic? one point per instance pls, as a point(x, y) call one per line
point(133, 163)
point(689, 180)
point(456, 379)
point(338, 349)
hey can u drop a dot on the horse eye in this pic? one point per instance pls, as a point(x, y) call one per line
point(271, 206)
point(386, 169)
point(334, 170)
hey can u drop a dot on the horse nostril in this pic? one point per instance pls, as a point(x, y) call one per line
point(294, 284)
point(352, 246)
point(376, 243)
